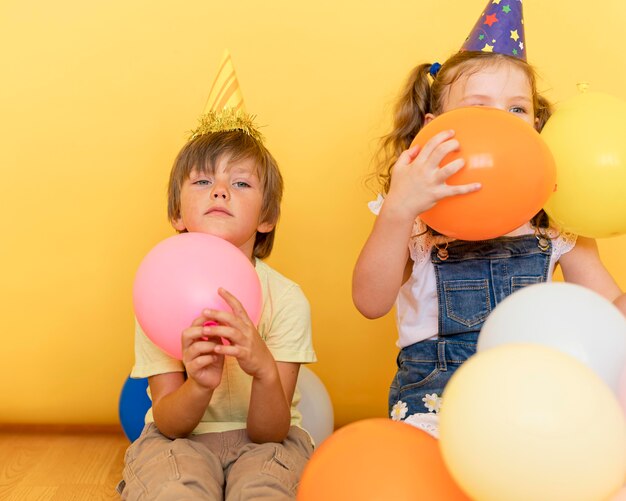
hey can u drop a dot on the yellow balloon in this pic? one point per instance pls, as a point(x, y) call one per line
point(526, 422)
point(620, 496)
point(587, 137)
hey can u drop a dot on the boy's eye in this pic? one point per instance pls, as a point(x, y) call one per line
point(518, 109)
point(241, 184)
point(202, 182)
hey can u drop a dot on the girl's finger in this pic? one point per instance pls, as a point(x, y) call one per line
point(441, 151)
point(407, 156)
point(462, 189)
point(449, 169)
point(434, 142)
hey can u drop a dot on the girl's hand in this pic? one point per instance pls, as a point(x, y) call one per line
point(202, 363)
point(246, 344)
point(417, 181)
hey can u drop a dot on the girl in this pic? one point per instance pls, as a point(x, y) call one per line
point(444, 289)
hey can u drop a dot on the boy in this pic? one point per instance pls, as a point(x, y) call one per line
point(223, 422)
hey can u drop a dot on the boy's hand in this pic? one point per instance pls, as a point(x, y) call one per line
point(246, 344)
point(202, 363)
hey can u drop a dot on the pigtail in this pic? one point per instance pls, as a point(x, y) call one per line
point(409, 114)
point(410, 110)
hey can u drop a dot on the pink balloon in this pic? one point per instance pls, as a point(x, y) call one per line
point(180, 277)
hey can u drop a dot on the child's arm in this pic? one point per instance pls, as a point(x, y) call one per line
point(269, 416)
point(380, 269)
point(178, 404)
point(582, 266)
point(273, 384)
point(417, 184)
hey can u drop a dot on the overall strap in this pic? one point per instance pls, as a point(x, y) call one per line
point(474, 277)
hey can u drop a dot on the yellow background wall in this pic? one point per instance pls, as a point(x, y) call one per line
point(95, 101)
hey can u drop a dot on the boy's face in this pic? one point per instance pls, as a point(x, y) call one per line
point(226, 204)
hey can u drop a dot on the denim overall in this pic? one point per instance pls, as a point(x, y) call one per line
point(472, 279)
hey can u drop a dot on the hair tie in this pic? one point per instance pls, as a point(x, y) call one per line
point(434, 69)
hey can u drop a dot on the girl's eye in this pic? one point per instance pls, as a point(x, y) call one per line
point(241, 184)
point(518, 109)
point(202, 182)
point(476, 101)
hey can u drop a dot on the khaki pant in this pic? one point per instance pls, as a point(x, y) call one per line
point(213, 466)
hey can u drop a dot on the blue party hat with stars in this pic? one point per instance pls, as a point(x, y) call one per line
point(500, 28)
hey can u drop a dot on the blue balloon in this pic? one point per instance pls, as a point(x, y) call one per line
point(134, 403)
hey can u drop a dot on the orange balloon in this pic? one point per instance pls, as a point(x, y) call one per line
point(377, 459)
point(510, 160)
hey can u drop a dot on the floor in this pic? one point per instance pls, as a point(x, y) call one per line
point(60, 463)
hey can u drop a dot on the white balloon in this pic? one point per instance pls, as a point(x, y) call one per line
point(315, 406)
point(570, 318)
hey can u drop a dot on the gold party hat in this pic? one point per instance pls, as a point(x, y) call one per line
point(225, 91)
point(224, 108)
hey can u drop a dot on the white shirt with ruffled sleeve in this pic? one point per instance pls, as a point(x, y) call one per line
point(417, 304)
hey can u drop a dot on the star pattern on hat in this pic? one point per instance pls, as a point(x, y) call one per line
point(501, 22)
point(490, 19)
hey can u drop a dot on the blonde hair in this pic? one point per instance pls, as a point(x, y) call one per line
point(203, 152)
point(423, 94)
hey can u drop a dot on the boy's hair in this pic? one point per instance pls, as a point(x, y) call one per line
point(203, 153)
point(419, 97)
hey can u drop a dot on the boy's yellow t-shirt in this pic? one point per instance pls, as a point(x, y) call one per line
point(285, 326)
